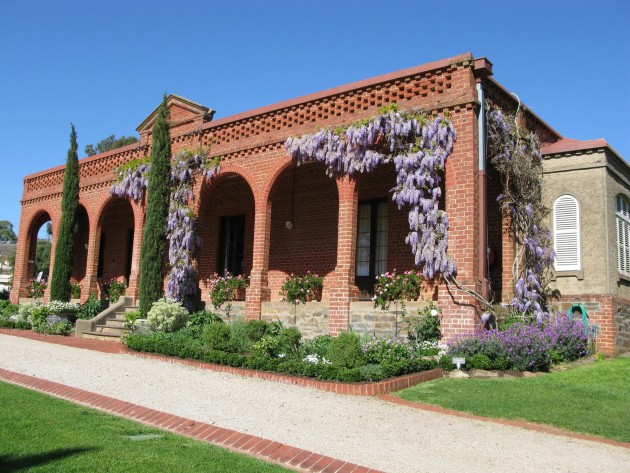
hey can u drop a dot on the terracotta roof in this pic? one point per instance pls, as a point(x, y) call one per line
point(568, 145)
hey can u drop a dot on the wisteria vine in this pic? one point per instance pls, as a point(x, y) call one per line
point(516, 155)
point(418, 147)
point(183, 240)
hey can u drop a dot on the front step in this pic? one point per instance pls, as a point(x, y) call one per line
point(102, 336)
point(107, 327)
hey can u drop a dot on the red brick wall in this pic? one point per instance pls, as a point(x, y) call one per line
point(311, 245)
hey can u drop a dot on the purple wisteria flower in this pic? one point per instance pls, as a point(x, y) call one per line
point(419, 149)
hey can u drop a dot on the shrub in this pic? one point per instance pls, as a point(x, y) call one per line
point(289, 340)
point(386, 350)
point(7, 309)
point(256, 329)
point(266, 346)
point(239, 341)
point(167, 315)
point(62, 327)
point(569, 338)
point(425, 327)
point(217, 336)
point(480, 362)
point(130, 319)
point(371, 372)
point(316, 346)
point(198, 320)
point(345, 350)
point(298, 289)
point(91, 308)
point(75, 291)
point(37, 317)
point(60, 307)
point(114, 289)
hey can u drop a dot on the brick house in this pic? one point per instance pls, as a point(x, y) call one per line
point(243, 212)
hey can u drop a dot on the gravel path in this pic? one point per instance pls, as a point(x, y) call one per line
point(366, 431)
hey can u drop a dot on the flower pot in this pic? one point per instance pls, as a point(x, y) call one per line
point(314, 295)
point(240, 294)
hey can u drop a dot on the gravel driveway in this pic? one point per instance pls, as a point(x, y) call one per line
point(366, 431)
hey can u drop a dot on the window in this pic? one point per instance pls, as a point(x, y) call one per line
point(371, 245)
point(232, 245)
point(623, 235)
point(566, 233)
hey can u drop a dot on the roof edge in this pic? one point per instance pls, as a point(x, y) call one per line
point(341, 89)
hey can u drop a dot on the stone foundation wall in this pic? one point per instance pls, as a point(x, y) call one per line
point(312, 318)
point(622, 322)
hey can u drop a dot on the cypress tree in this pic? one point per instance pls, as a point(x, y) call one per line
point(158, 194)
point(64, 249)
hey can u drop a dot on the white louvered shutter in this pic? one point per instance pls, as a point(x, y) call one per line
point(623, 235)
point(566, 233)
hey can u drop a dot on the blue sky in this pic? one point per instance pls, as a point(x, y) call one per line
point(104, 65)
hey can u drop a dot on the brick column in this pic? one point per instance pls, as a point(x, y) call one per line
point(138, 228)
point(343, 289)
point(258, 290)
point(22, 267)
point(89, 283)
point(459, 310)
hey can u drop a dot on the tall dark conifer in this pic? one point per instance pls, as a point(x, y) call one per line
point(64, 249)
point(158, 194)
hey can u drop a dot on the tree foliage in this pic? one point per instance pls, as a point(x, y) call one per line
point(6, 231)
point(158, 192)
point(42, 257)
point(64, 250)
point(109, 143)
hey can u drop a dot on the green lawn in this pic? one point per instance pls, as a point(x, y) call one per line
point(592, 399)
point(42, 433)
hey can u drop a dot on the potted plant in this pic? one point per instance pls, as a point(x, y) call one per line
point(302, 289)
point(226, 288)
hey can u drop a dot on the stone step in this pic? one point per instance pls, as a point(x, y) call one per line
point(116, 331)
point(102, 336)
point(115, 323)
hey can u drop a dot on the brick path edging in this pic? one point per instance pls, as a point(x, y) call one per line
point(270, 451)
point(353, 389)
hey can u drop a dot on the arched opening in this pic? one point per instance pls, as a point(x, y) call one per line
point(81, 239)
point(381, 230)
point(39, 244)
point(115, 243)
point(304, 218)
point(226, 228)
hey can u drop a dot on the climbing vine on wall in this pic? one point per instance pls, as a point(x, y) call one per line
point(131, 182)
point(515, 153)
point(418, 146)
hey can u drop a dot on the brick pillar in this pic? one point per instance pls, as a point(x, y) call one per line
point(138, 228)
point(343, 289)
point(22, 267)
point(258, 290)
point(89, 283)
point(461, 196)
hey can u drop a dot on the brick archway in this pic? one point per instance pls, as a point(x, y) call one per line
point(226, 207)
